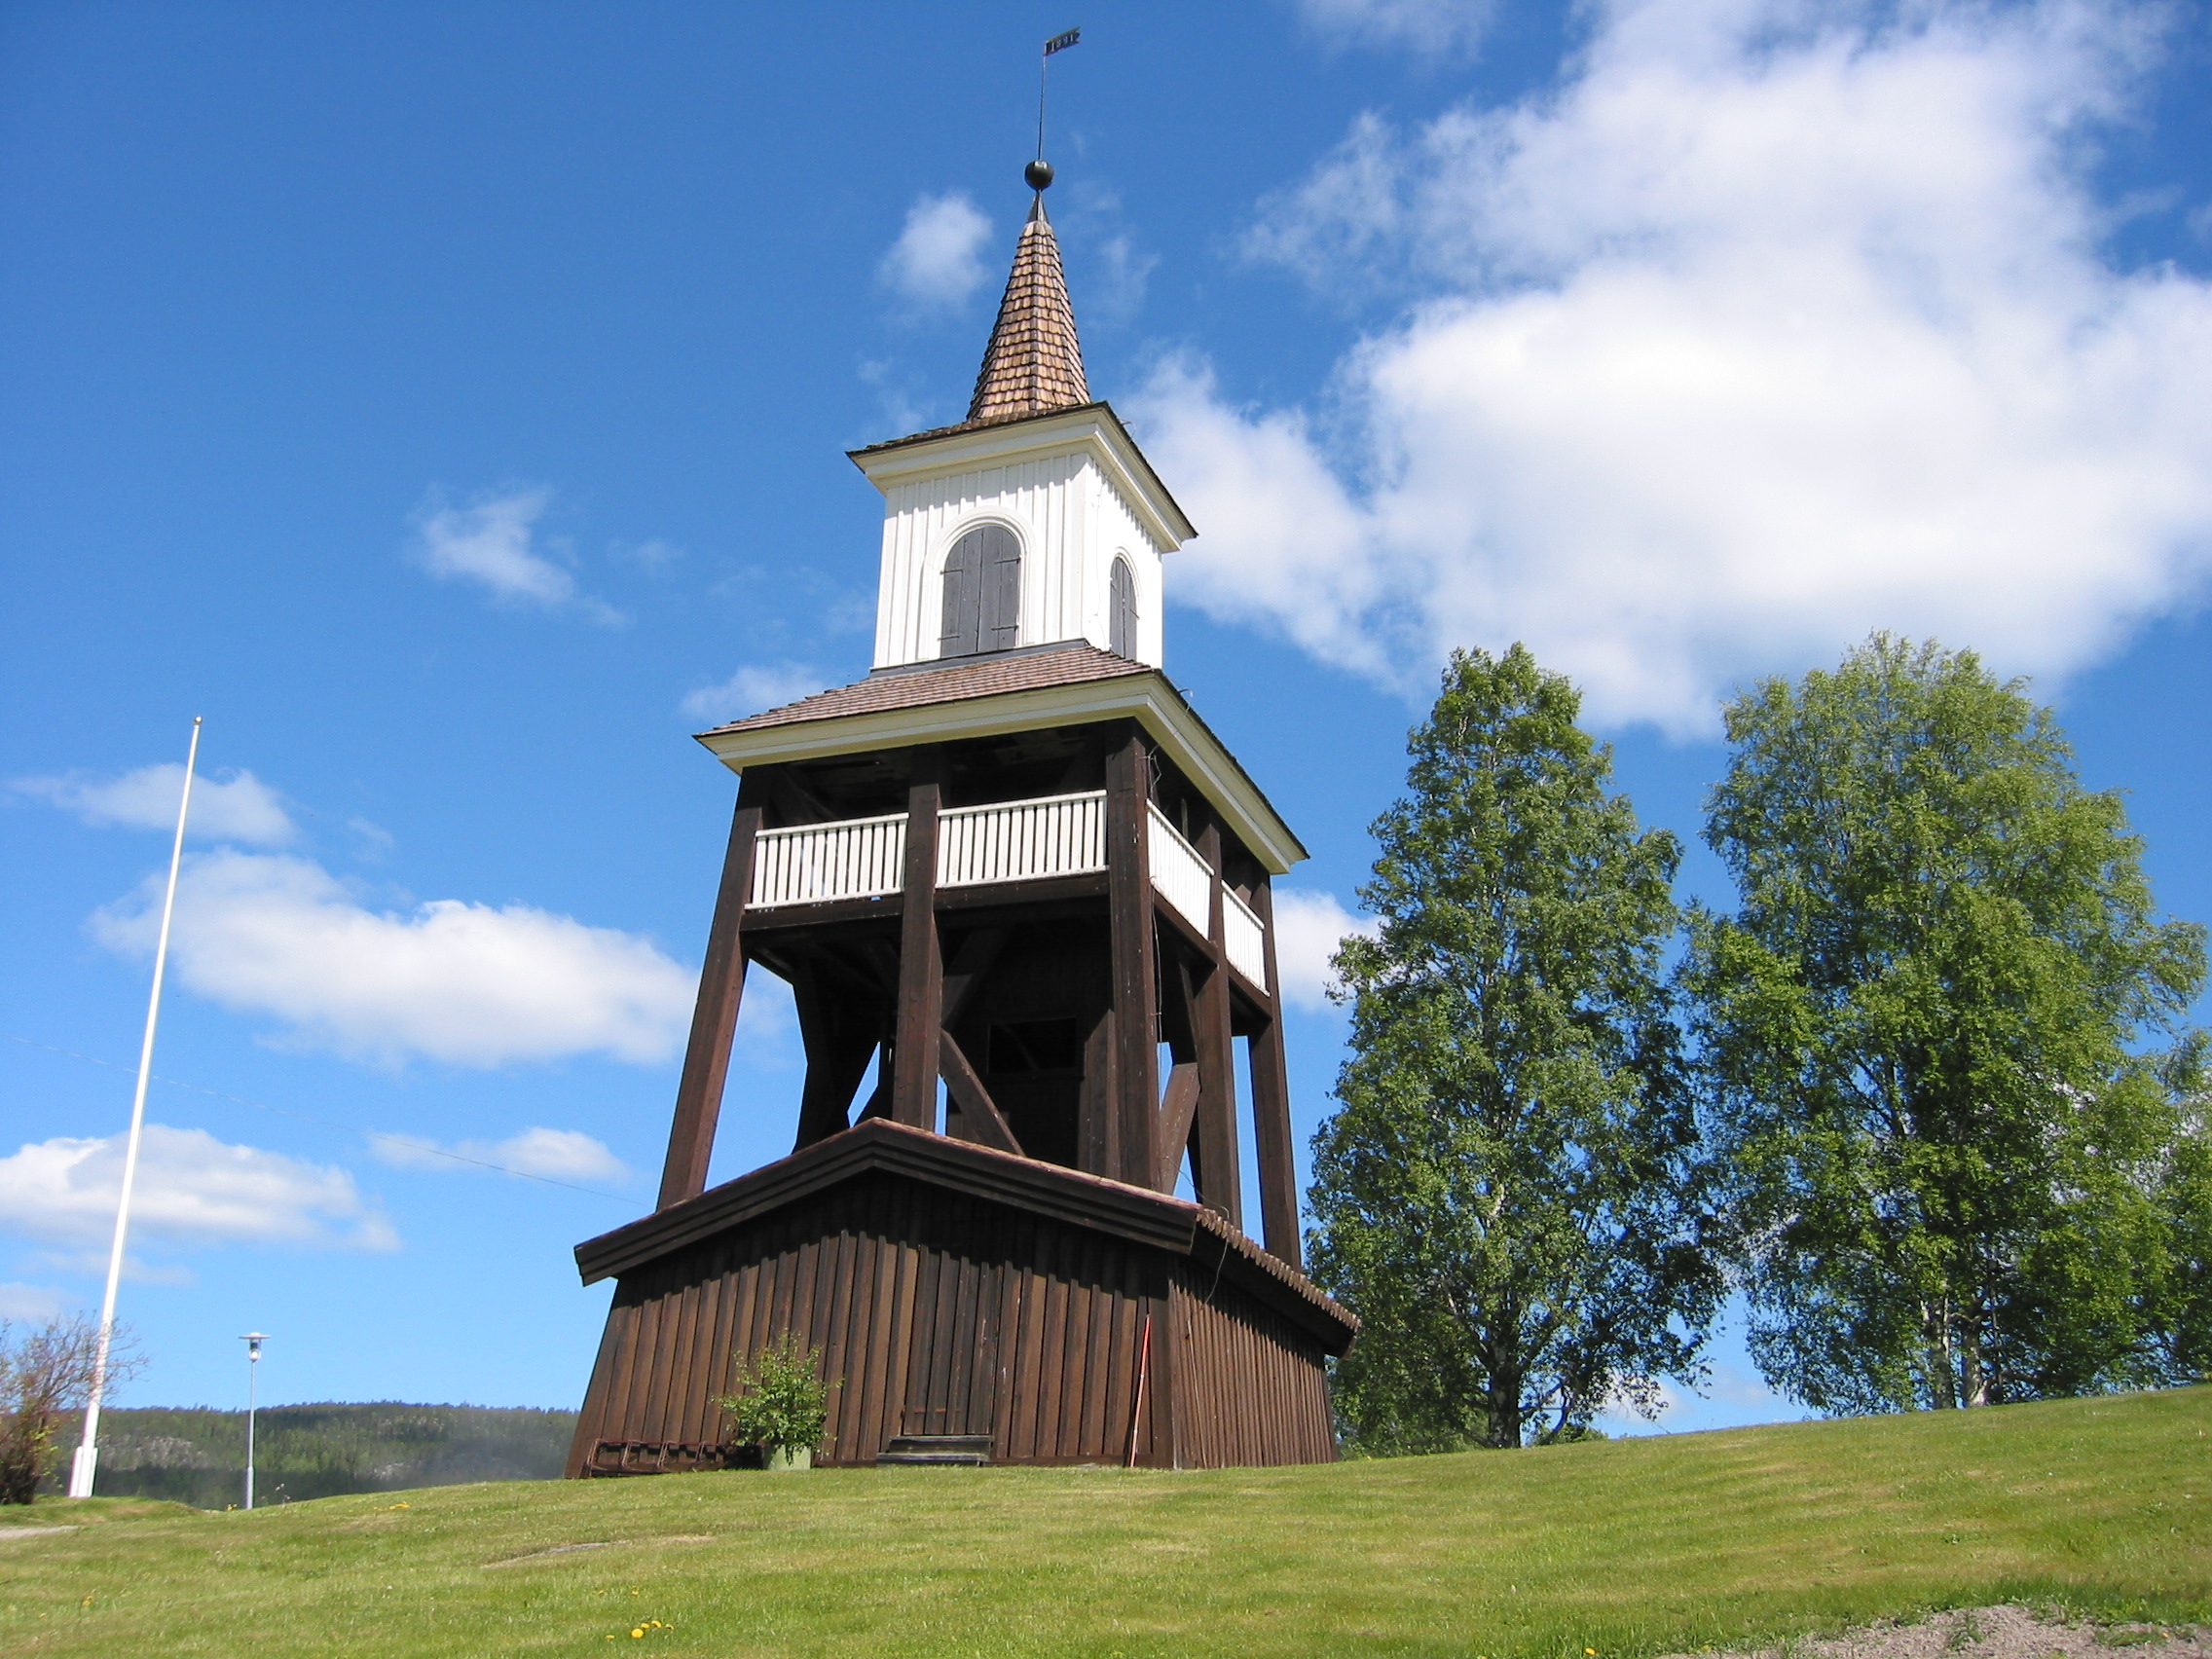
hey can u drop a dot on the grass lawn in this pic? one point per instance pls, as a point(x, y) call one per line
point(1626, 1547)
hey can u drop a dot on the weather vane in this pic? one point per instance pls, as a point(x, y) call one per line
point(1038, 172)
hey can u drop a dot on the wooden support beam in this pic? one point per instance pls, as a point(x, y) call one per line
point(713, 1017)
point(1176, 1111)
point(839, 1029)
point(980, 1120)
point(921, 970)
point(1270, 1105)
point(971, 965)
point(1135, 985)
point(1214, 1169)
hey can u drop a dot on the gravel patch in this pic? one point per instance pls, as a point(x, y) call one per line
point(1996, 1633)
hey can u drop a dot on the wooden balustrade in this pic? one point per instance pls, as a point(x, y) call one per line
point(1245, 939)
point(1021, 840)
point(862, 858)
point(1183, 879)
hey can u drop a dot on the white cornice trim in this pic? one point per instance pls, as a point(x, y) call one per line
point(1143, 697)
point(1094, 428)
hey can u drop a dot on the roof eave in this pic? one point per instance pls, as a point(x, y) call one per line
point(1147, 698)
point(889, 463)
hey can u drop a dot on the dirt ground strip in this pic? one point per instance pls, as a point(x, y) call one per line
point(1995, 1633)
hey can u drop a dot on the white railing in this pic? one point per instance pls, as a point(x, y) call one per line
point(865, 858)
point(860, 858)
point(1184, 879)
point(1018, 840)
point(1021, 840)
point(1243, 941)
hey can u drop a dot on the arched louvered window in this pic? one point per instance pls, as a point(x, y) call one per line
point(1122, 626)
point(982, 593)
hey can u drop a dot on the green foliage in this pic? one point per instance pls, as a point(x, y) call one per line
point(1663, 1544)
point(1957, 1176)
point(780, 1403)
point(196, 1455)
point(1508, 1194)
point(45, 1375)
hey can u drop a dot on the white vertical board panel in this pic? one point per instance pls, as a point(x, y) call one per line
point(1024, 840)
point(1184, 879)
point(1071, 519)
point(1244, 941)
point(860, 858)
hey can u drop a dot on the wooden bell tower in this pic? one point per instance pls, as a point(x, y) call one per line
point(1021, 893)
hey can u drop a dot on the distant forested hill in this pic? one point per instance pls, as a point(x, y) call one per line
point(197, 1456)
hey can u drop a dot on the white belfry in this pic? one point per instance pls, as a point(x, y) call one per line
point(1038, 510)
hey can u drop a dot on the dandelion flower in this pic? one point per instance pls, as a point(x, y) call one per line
point(637, 1633)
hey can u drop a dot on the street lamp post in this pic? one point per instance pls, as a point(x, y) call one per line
point(253, 1340)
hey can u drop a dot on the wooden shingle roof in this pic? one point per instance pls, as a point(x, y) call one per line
point(1034, 362)
point(983, 677)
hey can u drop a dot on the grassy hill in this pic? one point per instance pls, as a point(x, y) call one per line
point(1624, 1548)
point(196, 1455)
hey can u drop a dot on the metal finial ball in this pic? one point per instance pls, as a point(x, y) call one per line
point(1038, 174)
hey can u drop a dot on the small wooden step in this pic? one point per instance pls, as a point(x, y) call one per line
point(947, 1450)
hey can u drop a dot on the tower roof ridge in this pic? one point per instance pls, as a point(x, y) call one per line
point(1034, 362)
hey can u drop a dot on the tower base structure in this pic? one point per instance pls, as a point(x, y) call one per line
point(956, 1290)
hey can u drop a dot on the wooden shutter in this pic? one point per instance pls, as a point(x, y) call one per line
point(1001, 629)
point(1122, 626)
point(963, 597)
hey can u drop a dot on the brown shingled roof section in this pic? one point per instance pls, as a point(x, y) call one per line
point(990, 677)
point(1034, 362)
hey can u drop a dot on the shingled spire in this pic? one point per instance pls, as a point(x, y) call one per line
point(1034, 362)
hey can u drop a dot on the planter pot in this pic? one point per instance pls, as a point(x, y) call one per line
point(788, 1457)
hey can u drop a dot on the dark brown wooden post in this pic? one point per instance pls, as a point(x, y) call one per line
point(1221, 1184)
point(921, 967)
point(1098, 1144)
point(1271, 1104)
point(1135, 971)
point(713, 1017)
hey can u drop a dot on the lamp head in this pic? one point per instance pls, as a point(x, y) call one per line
point(253, 1340)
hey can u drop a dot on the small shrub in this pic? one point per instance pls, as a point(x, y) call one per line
point(780, 1403)
point(45, 1375)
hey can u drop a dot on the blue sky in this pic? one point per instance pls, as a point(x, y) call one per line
point(448, 403)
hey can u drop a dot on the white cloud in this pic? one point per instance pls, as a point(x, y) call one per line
point(231, 806)
point(29, 1303)
point(492, 541)
point(1426, 25)
point(937, 259)
point(448, 980)
point(1309, 924)
point(1776, 322)
point(191, 1188)
point(558, 1155)
point(750, 690)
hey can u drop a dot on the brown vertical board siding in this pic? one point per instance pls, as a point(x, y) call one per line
point(720, 1362)
point(1257, 1391)
point(1006, 1321)
point(654, 1374)
point(1031, 1439)
point(1084, 1431)
point(947, 1313)
point(833, 1333)
point(876, 1368)
point(594, 1411)
point(687, 1421)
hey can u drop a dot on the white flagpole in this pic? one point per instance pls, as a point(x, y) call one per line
point(81, 1466)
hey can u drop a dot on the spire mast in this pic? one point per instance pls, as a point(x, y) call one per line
point(1058, 43)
